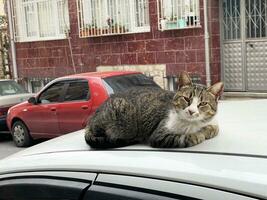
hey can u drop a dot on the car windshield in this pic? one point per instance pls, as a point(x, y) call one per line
point(10, 88)
point(120, 83)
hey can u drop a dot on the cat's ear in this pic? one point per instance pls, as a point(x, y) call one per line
point(216, 89)
point(184, 80)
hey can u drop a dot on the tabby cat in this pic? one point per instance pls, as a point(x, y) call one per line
point(161, 118)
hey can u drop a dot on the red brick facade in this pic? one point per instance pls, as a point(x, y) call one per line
point(178, 49)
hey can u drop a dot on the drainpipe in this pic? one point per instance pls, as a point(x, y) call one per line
point(207, 47)
point(12, 42)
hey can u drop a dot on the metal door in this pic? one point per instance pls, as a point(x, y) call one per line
point(244, 45)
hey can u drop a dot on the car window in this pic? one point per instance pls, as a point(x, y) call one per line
point(120, 187)
point(10, 88)
point(110, 193)
point(77, 91)
point(41, 188)
point(120, 83)
point(45, 185)
point(52, 94)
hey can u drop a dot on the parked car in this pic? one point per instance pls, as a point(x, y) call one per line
point(11, 93)
point(65, 104)
point(231, 166)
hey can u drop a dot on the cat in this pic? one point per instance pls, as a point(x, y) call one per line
point(161, 118)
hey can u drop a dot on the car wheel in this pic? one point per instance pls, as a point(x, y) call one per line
point(20, 134)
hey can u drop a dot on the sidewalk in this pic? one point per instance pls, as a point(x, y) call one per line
point(243, 95)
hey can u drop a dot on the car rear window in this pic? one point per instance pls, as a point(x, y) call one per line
point(10, 88)
point(117, 84)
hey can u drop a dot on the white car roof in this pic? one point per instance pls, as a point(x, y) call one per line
point(243, 130)
point(234, 160)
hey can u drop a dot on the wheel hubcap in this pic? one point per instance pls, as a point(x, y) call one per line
point(19, 134)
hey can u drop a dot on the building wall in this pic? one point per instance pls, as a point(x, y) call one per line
point(178, 50)
point(4, 68)
point(2, 13)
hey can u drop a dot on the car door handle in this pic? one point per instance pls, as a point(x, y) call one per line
point(53, 109)
point(84, 107)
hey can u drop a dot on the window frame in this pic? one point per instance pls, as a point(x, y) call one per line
point(84, 19)
point(177, 22)
point(19, 20)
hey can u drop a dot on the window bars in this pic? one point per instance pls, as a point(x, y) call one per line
point(231, 19)
point(112, 17)
point(178, 14)
point(40, 19)
point(256, 18)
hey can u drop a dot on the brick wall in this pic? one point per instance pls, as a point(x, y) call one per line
point(179, 49)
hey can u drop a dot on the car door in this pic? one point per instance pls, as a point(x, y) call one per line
point(76, 107)
point(42, 118)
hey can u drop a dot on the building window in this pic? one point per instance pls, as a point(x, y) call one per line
point(34, 85)
point(40, 20)
point(178, 14)
point(112, 17)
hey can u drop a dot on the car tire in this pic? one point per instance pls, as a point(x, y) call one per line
point(20, 134)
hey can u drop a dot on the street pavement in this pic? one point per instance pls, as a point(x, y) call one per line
point(7, 147)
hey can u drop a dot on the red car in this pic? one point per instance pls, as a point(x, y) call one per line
point(65, 104)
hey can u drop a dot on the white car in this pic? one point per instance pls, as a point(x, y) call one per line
point(231, 166)
point(11, 93)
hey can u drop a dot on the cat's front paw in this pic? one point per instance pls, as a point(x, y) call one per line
point(194, 139)
point(210, 131)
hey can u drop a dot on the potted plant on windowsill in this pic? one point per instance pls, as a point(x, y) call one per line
point(114, 27)
point(173, 22)
point(117, 28)
point(89, 30)
point(168, 23)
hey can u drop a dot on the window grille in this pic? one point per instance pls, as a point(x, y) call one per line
point(40, 19)
point(178, 14)
point(231, 19)
point(256, 18)
point(34, 85)
point(112, 17)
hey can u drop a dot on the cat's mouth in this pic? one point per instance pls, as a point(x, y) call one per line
point(192, 116)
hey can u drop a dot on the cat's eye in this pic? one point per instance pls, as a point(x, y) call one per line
point(203, 104)
point(187, 99)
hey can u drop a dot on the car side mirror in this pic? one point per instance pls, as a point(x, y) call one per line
point(32, 100)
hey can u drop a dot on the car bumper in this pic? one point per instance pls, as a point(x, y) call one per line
point(3, 125)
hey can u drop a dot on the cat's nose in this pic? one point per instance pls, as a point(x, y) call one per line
point(191, 112)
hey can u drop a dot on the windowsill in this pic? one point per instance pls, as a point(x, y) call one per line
point(189, 27)
point(137, 30)
point(41, 39)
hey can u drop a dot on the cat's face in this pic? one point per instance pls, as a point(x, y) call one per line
point(196, 102)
